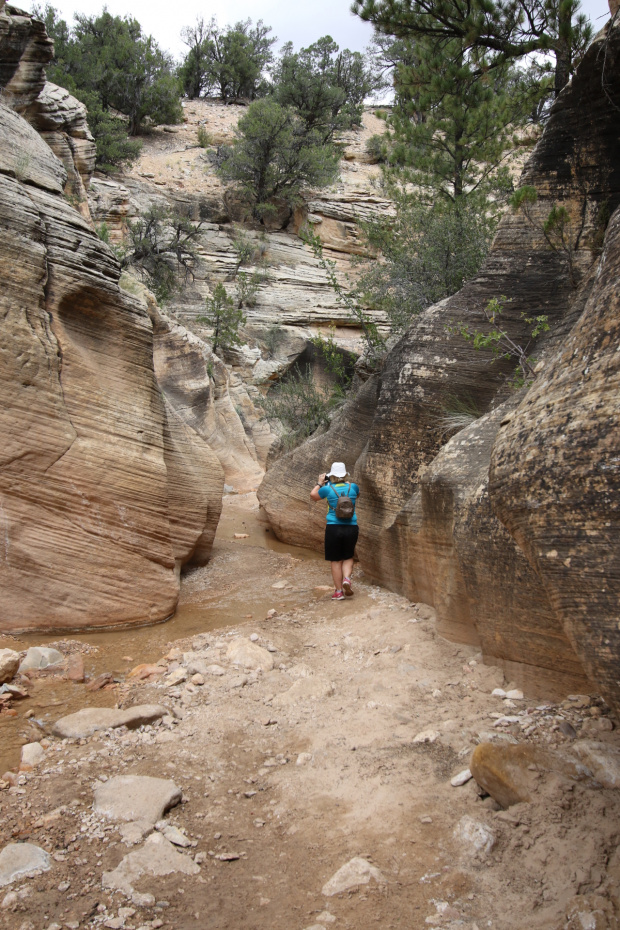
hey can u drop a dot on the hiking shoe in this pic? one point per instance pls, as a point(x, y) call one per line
point(346, 587)
point(337, 596)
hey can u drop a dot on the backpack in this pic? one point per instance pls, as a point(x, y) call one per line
point(345, 508)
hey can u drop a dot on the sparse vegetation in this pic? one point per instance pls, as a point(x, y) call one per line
point(223, 318)
point(299, 405)
point(161, 250)
point(496, 339)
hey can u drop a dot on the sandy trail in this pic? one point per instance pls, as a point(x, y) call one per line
point(300, 768)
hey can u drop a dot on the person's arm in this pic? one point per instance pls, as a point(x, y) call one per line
point(314, 493)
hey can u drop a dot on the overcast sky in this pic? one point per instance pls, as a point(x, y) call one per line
point(299, 22)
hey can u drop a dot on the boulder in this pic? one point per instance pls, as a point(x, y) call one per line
point(510, 773)
point(33, 754)
point(138, 798)
point(248, 655)
point(21, 860)
point(157, 857)
point(352, 874)
point(85, 722)
point(9, 663)
point(39, 657)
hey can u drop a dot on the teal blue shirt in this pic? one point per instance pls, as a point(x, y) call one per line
point(327, 493)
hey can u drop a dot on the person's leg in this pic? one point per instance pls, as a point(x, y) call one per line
point(347, 568)
point(337, 575)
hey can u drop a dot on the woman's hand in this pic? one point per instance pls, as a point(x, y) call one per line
point(322, 478)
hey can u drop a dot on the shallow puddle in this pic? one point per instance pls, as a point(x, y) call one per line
point(118, 651)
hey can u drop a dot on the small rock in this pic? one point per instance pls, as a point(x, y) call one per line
point(326, 918)
point(249, 655)
point(461, 779)
point(75, 668)
point(134, 832)
point(567, 729)
point(21, 860)
point(157, 857)
point(145, 670)
point(33, 754)
point(304, 758)
point(175, 836)
point(98, 683)
point(88, 721)
point(281, 584)
point(354, 873)
point(9, 663)
point(426, 736)
point(498, 692)
point(136, 798)
point(114, 923)
point(197, 679)
point(475, 836)
point(602, 761)
point(176, 677)
point(426, 819)
point(215, 670)
point(254, 638)
point(515, 695)
point(241, 535)
point(64, 886)
point(272, 613)
point(39, 657)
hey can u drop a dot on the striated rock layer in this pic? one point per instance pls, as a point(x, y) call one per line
point(429, 527)
point(555, 476)
point(102, 496)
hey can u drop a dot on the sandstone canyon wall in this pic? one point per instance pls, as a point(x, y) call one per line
point(103, 494)
point(430, 527)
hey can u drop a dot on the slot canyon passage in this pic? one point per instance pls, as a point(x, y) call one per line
point(192, 733)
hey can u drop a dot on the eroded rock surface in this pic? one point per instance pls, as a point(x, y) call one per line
point(429, 526)
point(91, 535)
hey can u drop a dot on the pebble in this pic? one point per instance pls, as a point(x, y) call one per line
point(272, 613)
point(426, 819)
point(353, 873)
point(426, 736)
point(197, 679)
point(461, 779)
point(515, 695)
point(254, 637)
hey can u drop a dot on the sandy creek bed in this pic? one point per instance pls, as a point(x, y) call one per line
point(298, 769)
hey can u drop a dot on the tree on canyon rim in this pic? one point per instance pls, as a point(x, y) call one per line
point(459, 98)
point(107, 62)
point(229, 62)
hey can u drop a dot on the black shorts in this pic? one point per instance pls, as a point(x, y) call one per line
point(340, 541)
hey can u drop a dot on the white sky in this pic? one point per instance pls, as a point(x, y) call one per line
point(299, 21)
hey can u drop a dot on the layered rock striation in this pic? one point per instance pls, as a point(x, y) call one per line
point(102, 496)
point(430, 528)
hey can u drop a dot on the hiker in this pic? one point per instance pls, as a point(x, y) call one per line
point(341, 531)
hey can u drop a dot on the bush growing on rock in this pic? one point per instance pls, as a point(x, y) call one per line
point(161, 249)
point(274, 156)
point(224, 319)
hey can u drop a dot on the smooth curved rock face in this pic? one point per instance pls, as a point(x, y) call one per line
point(555, 477)
point(88, 539)
point(460, 558)
point(25, 50)
point(427, 526)
point(211, 402)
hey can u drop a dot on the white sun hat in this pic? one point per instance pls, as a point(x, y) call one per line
point(338, 470)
